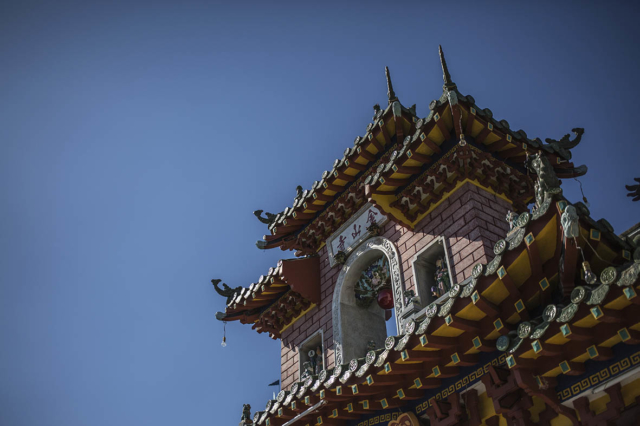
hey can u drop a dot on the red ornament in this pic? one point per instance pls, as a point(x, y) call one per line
point(385, 298)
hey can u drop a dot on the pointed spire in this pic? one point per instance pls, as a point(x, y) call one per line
point(390, 93)
point(448, 84)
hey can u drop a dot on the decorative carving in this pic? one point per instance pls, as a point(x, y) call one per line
point(547, 183)
point(268, 220)
point(615, 406)
point(598, 295)
point(512, 218)
point(446, 307)
point(374, 229)
point(578, 294)
point(477, 270)
point(468, 289)
point(373, 279)
point(608, 275)
point(493, 266)
point(563, 146)
point(629, 275)
point(340, 258)
point(225, 291)
point(405, 419)
point(424, 325)
point(524, 329)
point(246, 413)
point(523, 219)
point(410, 297)
point(550, 313)
point(568, 313)
point(503, 342)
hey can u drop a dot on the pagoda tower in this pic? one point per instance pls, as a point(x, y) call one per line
point(512, 305)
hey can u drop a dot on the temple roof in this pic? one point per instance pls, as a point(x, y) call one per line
point(405, 164)
point(520, 309)
point(277, 299)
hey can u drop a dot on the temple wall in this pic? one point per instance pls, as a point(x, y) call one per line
point(471, 219)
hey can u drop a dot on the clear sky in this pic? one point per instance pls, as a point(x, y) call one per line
point(137, 137)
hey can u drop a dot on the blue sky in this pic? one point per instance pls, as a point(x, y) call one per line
point(138, 137)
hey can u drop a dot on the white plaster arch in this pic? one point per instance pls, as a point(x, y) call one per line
point(359, 259)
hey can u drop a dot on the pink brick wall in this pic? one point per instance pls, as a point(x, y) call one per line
point(472, 220)
point(316, 319)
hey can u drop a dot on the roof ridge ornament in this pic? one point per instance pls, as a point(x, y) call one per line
point(448, 84)
point(390, 93)
point(226, 291)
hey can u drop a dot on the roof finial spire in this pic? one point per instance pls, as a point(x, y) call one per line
point(390, 93)
point(448, 84)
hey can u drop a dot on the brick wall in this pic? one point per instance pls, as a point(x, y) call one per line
point(471, 219)
point(316, 319)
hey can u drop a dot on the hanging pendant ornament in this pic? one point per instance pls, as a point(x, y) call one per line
point(584, 198)
point(385, 298)
point(224, 336)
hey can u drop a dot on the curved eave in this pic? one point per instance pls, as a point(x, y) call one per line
point(443, 128)
point(342, 182)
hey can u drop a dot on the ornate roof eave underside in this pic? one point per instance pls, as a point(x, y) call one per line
point(395, 174)
point(279, 298)
point(523, 284)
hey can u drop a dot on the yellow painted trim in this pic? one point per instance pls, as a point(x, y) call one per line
point(298, 317)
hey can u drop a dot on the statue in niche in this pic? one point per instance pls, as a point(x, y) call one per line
point(441, 276)
point(374, 278)
point(315, 365)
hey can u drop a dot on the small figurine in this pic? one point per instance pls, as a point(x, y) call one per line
point(410, 297)
point(307, 369)
point(371, 345)
point(246, 413)
point(340, 257)
point(374, 229)
point(434, 291)
point(569, 222)
point(442, 277)
point(512, 217)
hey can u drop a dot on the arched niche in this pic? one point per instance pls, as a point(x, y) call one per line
point(354, 326)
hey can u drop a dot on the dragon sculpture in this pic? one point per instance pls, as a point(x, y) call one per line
point(270, 217)
point(634, 190)
point(226, 291)
point(268, 220)
point(547, 183)
point(563, 146)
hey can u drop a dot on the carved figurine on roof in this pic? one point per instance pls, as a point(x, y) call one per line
point(225, 291)
point(547, 183)
point(246, 415)
point(634, 190)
